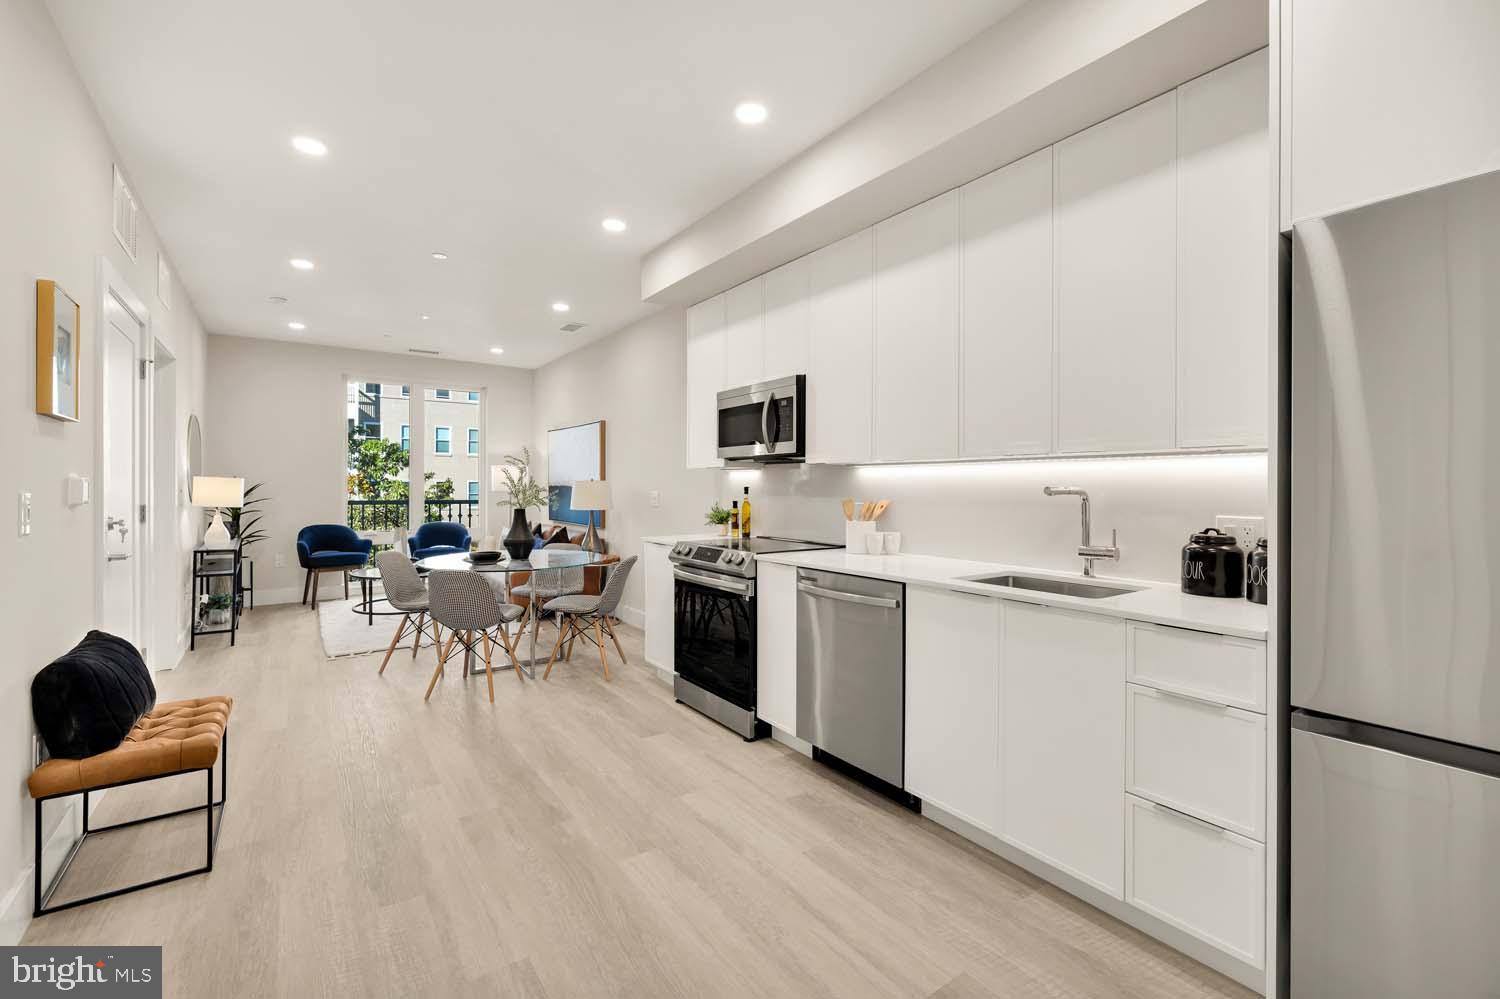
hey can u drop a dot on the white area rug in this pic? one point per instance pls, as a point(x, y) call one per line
point(346, 633)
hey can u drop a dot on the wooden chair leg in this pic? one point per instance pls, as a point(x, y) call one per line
point(489, 677)
point(433, 682)
point(306, 585)
point(400, 633)
point(612, 637)
point(447, 649)
point(510, 650)
point(599, 641)
point(416, 643)
point(555, 645)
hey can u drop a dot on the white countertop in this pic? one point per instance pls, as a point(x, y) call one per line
point(1159, 603)
point(672, 539)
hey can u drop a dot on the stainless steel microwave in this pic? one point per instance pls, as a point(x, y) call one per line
point(764, 422)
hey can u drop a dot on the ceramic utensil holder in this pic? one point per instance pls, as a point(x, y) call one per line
point(855, 532)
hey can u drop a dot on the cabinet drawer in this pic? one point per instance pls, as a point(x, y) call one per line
point(1215, 667)
point(1204, 759)
point(1201, 879)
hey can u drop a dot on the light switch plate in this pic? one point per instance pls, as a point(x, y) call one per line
point(1246, 530)
point(281, 560)
point(655, 496)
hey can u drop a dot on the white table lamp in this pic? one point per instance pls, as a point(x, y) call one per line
point(217, 492)
point(590, 495)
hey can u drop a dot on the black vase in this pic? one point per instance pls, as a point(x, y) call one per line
point(518, 538)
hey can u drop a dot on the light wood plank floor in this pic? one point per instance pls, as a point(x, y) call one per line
point(576, 838)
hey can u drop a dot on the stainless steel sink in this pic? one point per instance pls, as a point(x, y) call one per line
point(1066, 587)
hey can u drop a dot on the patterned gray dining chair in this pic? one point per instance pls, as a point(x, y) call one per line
point(588, 616)
point(464, 602)
point(549, 583)
point(405, 591)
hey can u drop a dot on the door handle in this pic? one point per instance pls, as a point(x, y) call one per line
point(117, 556)
point(888, 603)
point(1203, 824)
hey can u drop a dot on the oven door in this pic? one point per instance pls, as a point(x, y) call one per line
point(764, 422)
point(714, 634)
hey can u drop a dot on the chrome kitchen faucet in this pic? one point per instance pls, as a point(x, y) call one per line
point(1087, 550)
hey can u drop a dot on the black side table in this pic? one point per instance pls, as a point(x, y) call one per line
point(212, 562)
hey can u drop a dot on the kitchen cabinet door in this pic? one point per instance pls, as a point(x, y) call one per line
point(787, 320)
point(1224, 256)
point(1387, 98)
point(840, 386)
point(1006, 220)
point(952, 706)
point(705, 371)
point(1115, 260)
point(744, 339)
point(776, 645)
point(916, 332)
point(1062, 740)
point(660, 601)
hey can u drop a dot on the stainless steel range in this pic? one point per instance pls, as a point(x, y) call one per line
point(714, 626)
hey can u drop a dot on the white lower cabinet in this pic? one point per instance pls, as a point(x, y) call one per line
point(952, 705)
point(776, 645)
point(1062, 740)
point(660, 591)
point(1205, 881)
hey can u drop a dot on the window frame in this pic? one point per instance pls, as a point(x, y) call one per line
point(471, 442)
point(406, 438)
point(436, 427)
point(473, 490)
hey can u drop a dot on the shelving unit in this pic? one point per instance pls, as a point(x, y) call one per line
point(212, 562)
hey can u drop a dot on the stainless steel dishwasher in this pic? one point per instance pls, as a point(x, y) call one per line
point(851, 673)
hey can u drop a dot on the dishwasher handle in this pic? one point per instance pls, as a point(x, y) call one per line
point(889, 603)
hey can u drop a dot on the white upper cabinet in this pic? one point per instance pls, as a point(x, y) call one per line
point(1386, 98)
point(1115, 259)
point(1062, 740)
point(1006, 253)
point(787, 323)
point(744, 335)
point(916, 332)
point(840, 381)
point(1224, 254)
point(952, 703)
point(705, 372)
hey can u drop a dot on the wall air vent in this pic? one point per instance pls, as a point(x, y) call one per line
point(127, 216)
point(572, 327)
point(419, 350)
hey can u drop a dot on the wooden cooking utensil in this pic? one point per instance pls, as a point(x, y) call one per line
point(848, 508)
point(864, 509)
point(880, 507)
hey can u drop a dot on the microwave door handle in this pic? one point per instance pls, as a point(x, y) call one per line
point(765, 421)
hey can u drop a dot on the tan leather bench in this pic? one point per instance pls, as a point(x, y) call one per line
point(174, 738)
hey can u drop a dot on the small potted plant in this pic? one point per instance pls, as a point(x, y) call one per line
point(718, 517)
point(216, 606)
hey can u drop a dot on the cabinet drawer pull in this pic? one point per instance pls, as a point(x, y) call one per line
point(1193, 699)
point(1189, 819)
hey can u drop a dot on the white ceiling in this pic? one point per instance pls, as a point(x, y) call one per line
point(497, 131)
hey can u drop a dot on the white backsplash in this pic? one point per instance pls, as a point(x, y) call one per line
point(996, 511)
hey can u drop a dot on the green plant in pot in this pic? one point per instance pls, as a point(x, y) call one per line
point(217, 607)
point(718, 517)
point(522, 492)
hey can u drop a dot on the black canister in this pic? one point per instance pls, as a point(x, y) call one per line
point(1258, 576)
point(1213, 565)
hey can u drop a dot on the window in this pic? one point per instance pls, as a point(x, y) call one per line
point(473, 396)
point(406, 437)
point(441, 442)
point(473, 491)
point(441, 394)
point(473, 441)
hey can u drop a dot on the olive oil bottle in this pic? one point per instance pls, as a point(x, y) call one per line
point(745, 514)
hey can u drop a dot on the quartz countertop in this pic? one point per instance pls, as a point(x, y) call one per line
point(672, 539)
point(1157, 603)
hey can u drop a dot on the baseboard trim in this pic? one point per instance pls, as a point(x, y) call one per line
point(15, 910)
point(1224, 964)
point(633, 616)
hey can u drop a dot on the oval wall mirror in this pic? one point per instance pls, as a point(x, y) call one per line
point(194, 451)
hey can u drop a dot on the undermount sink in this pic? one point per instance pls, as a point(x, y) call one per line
point(1066, 587)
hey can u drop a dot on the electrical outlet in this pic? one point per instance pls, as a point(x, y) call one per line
point(24, 514)
point(281, 560)
point(655, 496)
point(36, 750)
point(1246, 530)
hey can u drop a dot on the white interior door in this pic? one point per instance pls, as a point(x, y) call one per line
point(122, 337)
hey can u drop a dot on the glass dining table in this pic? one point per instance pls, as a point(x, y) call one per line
point(542, 560)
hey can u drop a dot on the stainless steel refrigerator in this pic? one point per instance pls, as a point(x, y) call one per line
point(1395, 598)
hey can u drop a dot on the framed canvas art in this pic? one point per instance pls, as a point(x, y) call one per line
point(57, 352)
point(574, 454)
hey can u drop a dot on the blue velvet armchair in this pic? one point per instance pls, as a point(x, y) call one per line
point(438, 539)
point(329, 548)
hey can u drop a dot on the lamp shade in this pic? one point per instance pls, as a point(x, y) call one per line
point(210, 490)
point(590, 494)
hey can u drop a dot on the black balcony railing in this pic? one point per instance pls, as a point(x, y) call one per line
point(388, 514)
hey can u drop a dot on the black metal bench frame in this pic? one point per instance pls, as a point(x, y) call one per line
point(212, 829)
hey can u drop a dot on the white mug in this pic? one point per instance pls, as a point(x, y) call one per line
point(874, 543)
point(891, 542)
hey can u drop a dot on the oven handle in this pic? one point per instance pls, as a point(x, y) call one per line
point(851, 598)
point(713, 582)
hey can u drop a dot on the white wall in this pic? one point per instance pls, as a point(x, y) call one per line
point(55, 210)
point(634, 381)
point(277, 414)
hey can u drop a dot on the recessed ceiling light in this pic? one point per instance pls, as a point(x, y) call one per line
point(751, 113)
point(301, 263)
point(439, 255)
point(560, 306)
point(277, 299)
point(296, 326)
point(309, 146)
point(613, 225)
point(497, 350)
point(426, 316)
